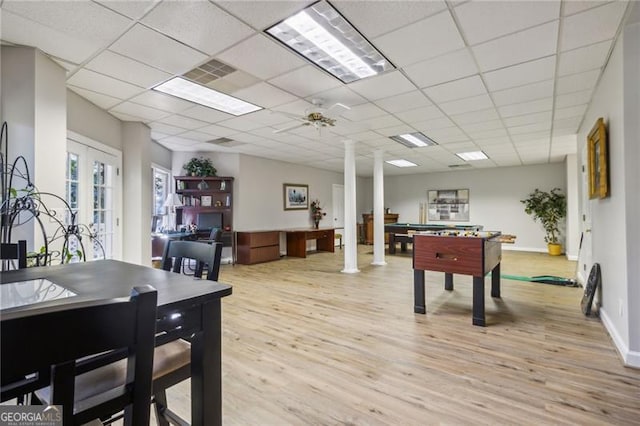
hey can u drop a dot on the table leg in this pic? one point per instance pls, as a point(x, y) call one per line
point(478, 301)
point(448, 281)
point(403, 247)
point(392, 243)
point(206, 368)
point(495, 281)
point(419, 306)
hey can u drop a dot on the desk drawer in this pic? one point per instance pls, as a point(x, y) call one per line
point(258, 239)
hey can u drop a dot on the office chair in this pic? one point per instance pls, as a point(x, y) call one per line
point(111, 325)
point(14, 251)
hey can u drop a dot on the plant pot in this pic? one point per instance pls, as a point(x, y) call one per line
point(554, 249)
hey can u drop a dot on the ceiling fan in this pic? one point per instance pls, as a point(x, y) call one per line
point(317, 117)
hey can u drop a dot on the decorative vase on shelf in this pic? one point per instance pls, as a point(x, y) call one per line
point(202, 185)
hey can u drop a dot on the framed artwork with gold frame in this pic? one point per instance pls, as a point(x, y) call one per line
point(598, 161)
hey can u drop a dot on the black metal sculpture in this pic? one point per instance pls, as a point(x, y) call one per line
point(19, 206)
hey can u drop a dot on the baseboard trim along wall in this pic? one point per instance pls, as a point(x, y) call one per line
point(629, 358)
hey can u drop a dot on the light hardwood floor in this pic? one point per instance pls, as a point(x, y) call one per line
point(306, 344)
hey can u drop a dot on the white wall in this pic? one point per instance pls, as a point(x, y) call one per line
point(160, 155)
point(88, 120)
point(615, 244)
point(494, 197)
point(572, 242)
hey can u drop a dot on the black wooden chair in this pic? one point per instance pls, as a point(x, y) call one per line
point(14, 251)
point(65, 337)
point(172, 360)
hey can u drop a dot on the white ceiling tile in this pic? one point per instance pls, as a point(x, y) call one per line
point(521, 120)
point(584, 58)
point(396, 130)
point(197, 136)
point(518, 75)
point(529, 92)
point(456, 147)
point(264, 95)
point(179, 141)
point(447, 135)
point(574, 111)
point(261, 57)
point(433, 124)
point(133, 8)
point(81, 20)
point(576, 6)
point(419, 114)
point(482, 21)
point(530, 128)
point(577, 82)
point(102, 84)
point(536, 136)
point(494, 141)
point(268, 118)
point(448, 67)
point(476, 116)
point(305, 81)
point(364, 112)
point(161, 101)
point(217, 30)
point(157, 50)
point(217, 131)
point(203, 113)
point(149, 114)
point(539, 41)
point(382, 17)
point(263, 14)
point(526, 108)
point(382, 86)
point(482, 126)
point(296, 108)
point(126, 69)
point(422, 40)
point(572, 99)
point(488, 134)
point(182, 121)
point(165, 128)
point(99, 99)
point(376, 123)
point(21, 31)
point(458, 89)
point(591, 26)
point(240, 123)
point(461, 106)
point(364, 136)
point(126, 117)
point(404, 102)
point(571, 123)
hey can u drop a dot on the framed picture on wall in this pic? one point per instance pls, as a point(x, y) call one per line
point(448, 204)
point(598, 161)
point(205, 200)
point(296, 196)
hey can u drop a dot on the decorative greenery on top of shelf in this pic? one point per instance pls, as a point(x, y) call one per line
point(549, 208)
point(200, 167)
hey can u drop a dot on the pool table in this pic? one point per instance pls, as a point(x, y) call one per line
point(403, 232)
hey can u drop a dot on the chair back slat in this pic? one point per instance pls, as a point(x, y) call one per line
point(204, 254)
point(15, 251)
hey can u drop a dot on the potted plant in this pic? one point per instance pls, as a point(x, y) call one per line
point(548, 207)
point(316, 212)
point(200, 167)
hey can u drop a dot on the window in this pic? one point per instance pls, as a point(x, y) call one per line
point(161, 189)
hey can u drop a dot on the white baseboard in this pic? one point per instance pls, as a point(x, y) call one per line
point(515, 248)
point(573, 257)
point(629, 358)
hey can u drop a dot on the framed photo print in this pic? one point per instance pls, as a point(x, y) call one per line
point(205, 201)
point(296, 196)
point(448, 204)
point(598, 161)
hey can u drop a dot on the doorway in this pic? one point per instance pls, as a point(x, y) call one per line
point(338, 211)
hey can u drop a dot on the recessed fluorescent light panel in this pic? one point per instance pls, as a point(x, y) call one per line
point(185, 89)
point(401, 163)
point(326, 38)
point(413, 140)
point(472, 155)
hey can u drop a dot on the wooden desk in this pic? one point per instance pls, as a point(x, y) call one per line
point(297, 240)
point(367, 219)
point(198, 302)
point(474, 256)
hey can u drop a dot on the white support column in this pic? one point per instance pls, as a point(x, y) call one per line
point(378, 209)
point(350, 220)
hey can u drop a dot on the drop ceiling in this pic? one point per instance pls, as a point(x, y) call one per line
point(512, 79)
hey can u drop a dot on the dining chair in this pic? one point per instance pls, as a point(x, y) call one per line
point(65, 337)
point(14, 251)
point(172, 360)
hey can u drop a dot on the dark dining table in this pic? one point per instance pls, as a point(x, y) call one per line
point(187, 307)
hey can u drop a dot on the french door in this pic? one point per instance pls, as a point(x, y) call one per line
point(94, 193)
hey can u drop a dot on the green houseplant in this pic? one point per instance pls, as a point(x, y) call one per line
point(200, 167)
point(549, 208)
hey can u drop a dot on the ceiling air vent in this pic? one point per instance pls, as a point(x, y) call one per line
point(226, 142)
point(460, 166)
point(209, 71)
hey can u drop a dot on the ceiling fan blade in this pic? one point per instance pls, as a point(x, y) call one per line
point(295, 126)
point(338, 109)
